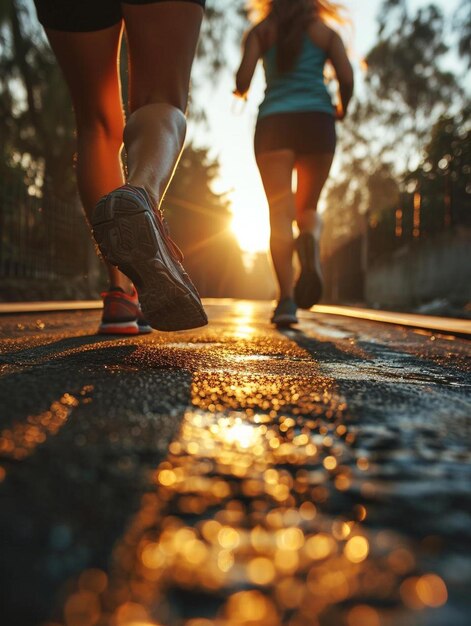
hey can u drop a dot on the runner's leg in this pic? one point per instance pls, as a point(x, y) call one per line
point(276, 170)
point(162, 40)
point(89, 63)
point(312, 172)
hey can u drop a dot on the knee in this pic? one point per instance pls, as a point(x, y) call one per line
point(281, 213)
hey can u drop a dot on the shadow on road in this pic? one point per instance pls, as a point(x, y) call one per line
point(97, 424)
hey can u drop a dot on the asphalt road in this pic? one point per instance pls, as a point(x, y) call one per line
point(234, 475)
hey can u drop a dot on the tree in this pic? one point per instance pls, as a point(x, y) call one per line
point(404, 91)
point(442, 178)
point(199, 220)
point(36, 119)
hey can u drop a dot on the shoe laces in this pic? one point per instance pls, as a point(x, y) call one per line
point(165, 230)
point(174, 249)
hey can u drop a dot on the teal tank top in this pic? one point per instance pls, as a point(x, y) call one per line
point(300, 89)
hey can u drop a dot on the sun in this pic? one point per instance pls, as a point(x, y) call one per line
point(250, 222)
point(239, 179)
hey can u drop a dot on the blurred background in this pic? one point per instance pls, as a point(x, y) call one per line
point(397, 208)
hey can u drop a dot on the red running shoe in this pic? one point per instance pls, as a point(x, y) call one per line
point(122, 314)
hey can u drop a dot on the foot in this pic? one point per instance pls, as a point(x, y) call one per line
point(122, 314)
point(285, 313)
point(308, 288)
point(134, 237)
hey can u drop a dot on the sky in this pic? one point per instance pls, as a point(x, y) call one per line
point(231, 124)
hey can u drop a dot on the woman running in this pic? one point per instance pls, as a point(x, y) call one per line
point(85, 36)
point(295, 131)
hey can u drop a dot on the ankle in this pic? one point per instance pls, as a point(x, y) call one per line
point(126, 286)
point(152, 195)
point(286, 296)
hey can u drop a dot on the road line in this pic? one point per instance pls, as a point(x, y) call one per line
point(429, 322)
point(448, 325)
point(10, 308)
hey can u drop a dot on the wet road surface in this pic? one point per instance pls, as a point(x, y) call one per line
point(234, 475)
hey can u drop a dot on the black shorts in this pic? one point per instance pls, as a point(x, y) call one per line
point(80, 16)
point(303, 132)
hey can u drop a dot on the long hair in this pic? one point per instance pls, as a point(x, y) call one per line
point(292, 18)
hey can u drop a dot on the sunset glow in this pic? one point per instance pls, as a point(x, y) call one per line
point(250, 222)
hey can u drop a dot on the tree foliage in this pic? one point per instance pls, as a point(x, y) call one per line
point(443, 176)
point(405, 91)
point(38, 138)
point(36, 120)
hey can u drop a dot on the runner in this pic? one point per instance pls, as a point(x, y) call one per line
point(85, 36)
point(295, 132)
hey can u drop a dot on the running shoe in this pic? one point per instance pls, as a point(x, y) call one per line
point(135, 238)
point(122, 314)
point(285, 313)
point(142, 324)
point(308, 287)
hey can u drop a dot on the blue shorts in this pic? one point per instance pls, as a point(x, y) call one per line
point(80, 16)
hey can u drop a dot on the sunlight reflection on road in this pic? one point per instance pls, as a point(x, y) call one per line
point(238, 518)
point(21, 439)
point(244, 317)
point(255, 517)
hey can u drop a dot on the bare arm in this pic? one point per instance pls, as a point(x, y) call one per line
point(250, 57)
point(344, 72)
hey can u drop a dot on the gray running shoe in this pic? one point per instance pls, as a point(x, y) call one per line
point(308, 288)
point(134, 237)
point(285, 313)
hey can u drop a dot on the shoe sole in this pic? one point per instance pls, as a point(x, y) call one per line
point(144, 329)
point(308, 288)
point(118, 328)
point(283, 321)
point(128, 237)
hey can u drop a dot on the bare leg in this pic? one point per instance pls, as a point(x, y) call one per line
point(276, 171)
point(89, 64)
point(312, 171)
point(162, 40)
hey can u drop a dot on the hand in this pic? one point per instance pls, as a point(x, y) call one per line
point(339, 113)
point(238, 94)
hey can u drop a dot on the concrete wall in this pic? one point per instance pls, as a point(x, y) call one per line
point(429, 269)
